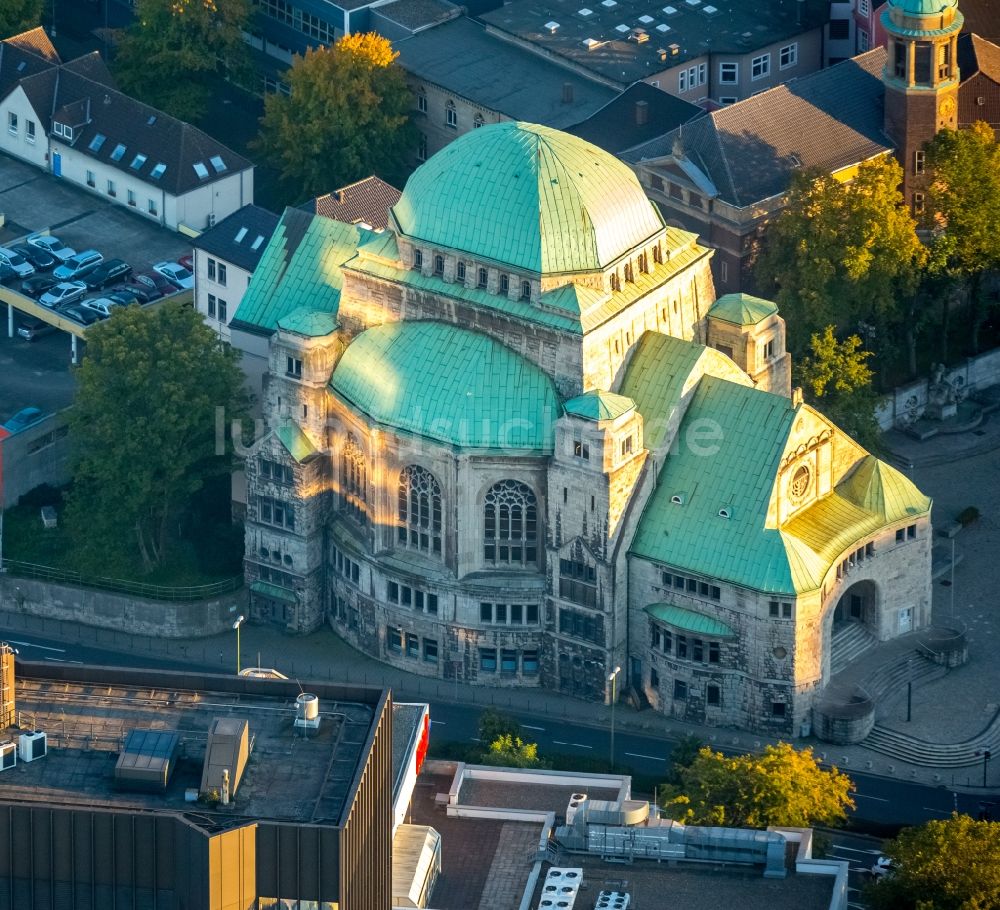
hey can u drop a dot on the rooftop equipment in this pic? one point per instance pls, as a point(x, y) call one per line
point(307, 711)
point(32, 745)
point(225, 757)
point(147, 761)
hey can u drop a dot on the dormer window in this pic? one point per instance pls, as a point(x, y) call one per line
point(525, 290)
point(138, 161)
point(118, 152)
point(439, 265)
point(504, 284)
point(616, 284)
point(60, 129)
point(418, 259)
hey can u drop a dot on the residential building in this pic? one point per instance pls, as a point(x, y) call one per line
point(515, 440)
point(366, 203)
point(70, 119)
point(454, 69)
point(199, 791)
point(720, 52)
point(725, 175)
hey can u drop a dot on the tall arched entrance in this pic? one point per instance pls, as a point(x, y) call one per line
point(855, 623)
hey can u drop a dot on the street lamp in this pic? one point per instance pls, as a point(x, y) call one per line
point(987, 755)
point(613, 678)
point(236, 625)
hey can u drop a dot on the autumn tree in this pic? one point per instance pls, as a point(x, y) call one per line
point(18, 16)
point(837, 380)
point(171, 55)
point(964, 195)
point(842, 253)
point(512, 752)
point(781, 786)
point(144, 432)
point(346, 117)
point(944, 864)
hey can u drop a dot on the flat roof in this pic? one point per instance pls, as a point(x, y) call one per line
point(696, 27)
point(87, 713)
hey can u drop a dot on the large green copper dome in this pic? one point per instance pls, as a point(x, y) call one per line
point(529, 197)
point(923, 7)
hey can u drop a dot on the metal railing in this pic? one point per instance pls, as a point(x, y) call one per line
point(20, 569)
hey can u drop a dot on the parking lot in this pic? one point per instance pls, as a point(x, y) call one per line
point(39, 373)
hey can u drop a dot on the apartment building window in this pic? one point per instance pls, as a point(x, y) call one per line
point(713, 696)
point(760, 66)
point(29, 131)
point(779, 608)
point(497, 614)
point(223, 316)
point(680, 690)
point(729, 73)
point(728, 99)
point(864, 42)
point(293, 367)
point(488, 660)
point(275, 512)
point(692, 77)
point(430, 651)
point(130, 195)
point(211, 269)
point(477, 121)
point(151, 206)
point(656, 182)
point(578, 582)
point(529, 662)
point(275, 471)
point(918, 203)
point(394, 640)
point(788, 56)
point(111, 189)
point(919, 162)
point(504, 284)
point(460, 272)
point(439, 266)
point(768, 350)
point(581, 625)
point(91, 179)
point(525, 290)
point(12, 122)
point(421, 147)
point(222, 274)
point(451, 115)
point(581, 450)
point(481, 278)
point(864, 8)
point(211, 305)
point(422, 101)
point(418, 259)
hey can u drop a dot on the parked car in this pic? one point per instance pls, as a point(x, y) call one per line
point(79, 265)
point(38, 285)
point(17, 262)
point(883, 867)
point(64, 292)
point(175, 273)
point(101, 305)
point(23, 419)
point(187, 261)
point(108, 272)
point(155, 280)
point(79, 313)
point(51, 245)
point(7, 274)
point(41, 259)
point(31, 329)
point(122, 296)
point(143, 293)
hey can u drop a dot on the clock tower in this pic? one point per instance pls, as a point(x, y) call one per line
point(921, 83)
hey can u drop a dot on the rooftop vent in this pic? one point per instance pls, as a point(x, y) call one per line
point(567, 92)
point(678, 499)
point(663, 28)
point(576, 803)
point(674, 49)
point(147, 761)
point(710, 10)
point(32, 745)
point(726, 512)
point(551, 27)
point(585, 13)
point(646, 20)
point(670, 10)
point(226, 756)
point(639, 35)
point(591, 43)
point(8, 756)
point(609, 3)
point(622, 29)
point(307, 711)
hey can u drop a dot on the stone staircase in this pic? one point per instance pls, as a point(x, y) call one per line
point(887, 685)
point(935, 755)
point(848, 643)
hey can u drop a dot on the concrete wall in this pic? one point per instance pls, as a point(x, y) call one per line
point(17, 142)
point(108, 610)
point(237, 282)
point(36, 455)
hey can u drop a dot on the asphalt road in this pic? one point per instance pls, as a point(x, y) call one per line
point(879, 800)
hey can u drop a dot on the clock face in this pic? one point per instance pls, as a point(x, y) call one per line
point(947, 107)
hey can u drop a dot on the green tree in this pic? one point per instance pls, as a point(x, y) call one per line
point(512, 752)
point(945, 864)
point(18, 16)
point(494, 724)
point(842, 253)
point(174, 51)
point(347, 117)
point(683, 753)
point(965, 197)
point(143, 426)
point(781, 786)
point(836, 378)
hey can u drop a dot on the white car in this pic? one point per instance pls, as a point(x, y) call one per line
point(17, 262)
point(102, 305)
point(64, 292)
point(175, 273)
point(52, 245)
point(883, 867)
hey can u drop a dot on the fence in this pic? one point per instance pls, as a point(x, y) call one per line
point(175, 593)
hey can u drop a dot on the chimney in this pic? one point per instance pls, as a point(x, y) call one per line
point(641, 113)
point(567, 93)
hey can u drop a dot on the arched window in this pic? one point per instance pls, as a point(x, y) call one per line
point(353, 479)
point(525, 290)
point(510, 516)
point(451, 115)
point(477, 121)
point(419, 510)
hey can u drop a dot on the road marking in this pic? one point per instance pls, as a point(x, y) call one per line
point(475, 739)
point(581, 746)
point(529, 727)
point(650, 757)
point(942, 811)
point(28, 644)
point(559, 742)
point(438, 723)
point(62, 660)
point(879, 799)
point(856, 850)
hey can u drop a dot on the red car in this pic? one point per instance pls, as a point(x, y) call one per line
point(187, 261)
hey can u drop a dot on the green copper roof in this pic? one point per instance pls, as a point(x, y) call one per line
point(295, 441)
point(304, 321)
point(530, 197)
point(689, 620)
point(880, 488)
point(448, 384)
point(923, 7)
point(742, 309)
point(299, 270)
point(599, 405)
point(268, 590)
point(661, 371)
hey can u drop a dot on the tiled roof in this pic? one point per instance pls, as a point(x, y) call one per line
point(638, 114)
point(599, 405)
point(35, 41)
point(559, 204)
point(155, 147)
point(742, 309)
point(462, 57)
point(981, 18)
point(448, 384)
point(240, 238)
point(978, 55)
point(367, 202)
point(689, 620)
point(749, 150)
point(300, 269)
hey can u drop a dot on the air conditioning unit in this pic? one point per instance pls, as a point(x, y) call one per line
point(576, 804)
point(8, 756)
point(211, 220)
point(32, 745)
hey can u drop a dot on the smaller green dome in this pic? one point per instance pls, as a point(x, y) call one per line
point(742, 309)
point(599, 405)
point(923, 7)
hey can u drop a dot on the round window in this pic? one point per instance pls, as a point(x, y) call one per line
point(780, 653)
point(800, 482)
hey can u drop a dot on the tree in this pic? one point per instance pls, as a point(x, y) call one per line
point(782, 786)
point(683, 753)
point(842, 253)
point(836, 378)
point(18, 16)
point(347, 117)
point(512, 752)
point(494, 724)
point(965, 197)
point(945, 864)
point(174, 50)
point(143, 427)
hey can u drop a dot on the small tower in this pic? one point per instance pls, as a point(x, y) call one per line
point(921, 83)
point(749, 331)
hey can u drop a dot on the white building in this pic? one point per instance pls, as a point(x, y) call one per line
point(71, 120)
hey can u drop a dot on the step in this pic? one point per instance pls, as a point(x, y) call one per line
point(847, 645)
point(938, 755)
